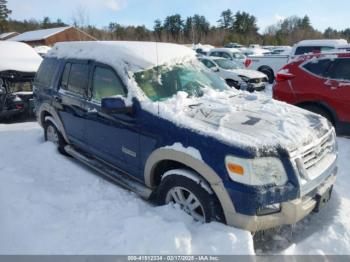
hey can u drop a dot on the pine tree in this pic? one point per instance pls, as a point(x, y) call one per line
point(226, 19)
point(4, 14)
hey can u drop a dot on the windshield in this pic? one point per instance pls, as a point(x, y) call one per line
point(227, 64)
point(238, 56)
point(160, 83)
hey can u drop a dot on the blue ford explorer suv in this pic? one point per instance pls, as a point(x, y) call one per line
point(150, 117)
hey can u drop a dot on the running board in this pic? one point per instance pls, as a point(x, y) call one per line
point(110, 173)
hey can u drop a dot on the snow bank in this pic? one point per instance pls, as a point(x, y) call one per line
point(18, 56)
point(57, 206)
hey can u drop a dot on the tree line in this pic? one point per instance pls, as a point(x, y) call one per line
point(240, 27)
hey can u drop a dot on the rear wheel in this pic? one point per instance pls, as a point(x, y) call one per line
point(54, 136)
point(191, 197)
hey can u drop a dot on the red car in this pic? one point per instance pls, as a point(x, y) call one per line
point(319, 83)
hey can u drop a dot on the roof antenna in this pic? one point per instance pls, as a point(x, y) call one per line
point(157, 67)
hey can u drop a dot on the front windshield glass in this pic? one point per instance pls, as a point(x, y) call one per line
point(163, 82)
point(238, 56)
point(227, 64)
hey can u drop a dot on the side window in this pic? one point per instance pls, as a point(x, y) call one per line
point(106, 83)
point(46, 72)
point(318, 67)
point(65, 76)
point(340, 70)
point(78, 78)
point(208, 63)
point(301, 50)
point(225, 55)
point(214, 54)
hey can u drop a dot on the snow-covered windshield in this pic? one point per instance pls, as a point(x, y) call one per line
point(227, 64)
point(160, 83)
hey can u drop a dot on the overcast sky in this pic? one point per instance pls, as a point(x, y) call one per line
point(323, 13)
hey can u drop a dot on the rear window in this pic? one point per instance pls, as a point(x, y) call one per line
point(340, 70)
point(301, 50)
point(46, 72)
point(318, 67)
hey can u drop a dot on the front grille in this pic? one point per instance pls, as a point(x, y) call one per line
point(315, 154)
point(257, 80)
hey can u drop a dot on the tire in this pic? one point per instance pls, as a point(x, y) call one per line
point(52, 134)
point(319, 110)
point(269, 73)
point(233, 83)
point(209, 208)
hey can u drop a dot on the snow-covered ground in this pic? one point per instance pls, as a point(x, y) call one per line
point(50, 204)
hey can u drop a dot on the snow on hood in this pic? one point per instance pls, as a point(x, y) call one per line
point(249, 73)
point(134, 55)
point(247, 120)
point(18, 56)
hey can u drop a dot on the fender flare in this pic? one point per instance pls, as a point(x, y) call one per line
point(215, 182)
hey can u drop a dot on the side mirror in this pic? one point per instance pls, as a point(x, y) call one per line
point(114, 105)
point(215, 69)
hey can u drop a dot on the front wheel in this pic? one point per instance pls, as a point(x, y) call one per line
point(191, 198)
point(52, 135)
point(269, 73)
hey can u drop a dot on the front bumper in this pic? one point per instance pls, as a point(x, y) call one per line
point(291, 211)
point(253, 87)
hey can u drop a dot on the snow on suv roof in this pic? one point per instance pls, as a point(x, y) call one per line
point(135, 56)
point(18, 56)
point(331, 42)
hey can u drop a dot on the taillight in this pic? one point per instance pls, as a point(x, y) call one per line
point(280, 77)
point(247, 62)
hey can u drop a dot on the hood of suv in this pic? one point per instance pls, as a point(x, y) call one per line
point(252, 74)
point(257, 122)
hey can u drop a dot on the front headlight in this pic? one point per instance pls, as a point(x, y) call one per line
point(256, 172)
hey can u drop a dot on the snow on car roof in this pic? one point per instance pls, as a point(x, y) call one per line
point(323, 42)
point(232, 50)
point(38, 34)
point(131, 55)
point(18, 56)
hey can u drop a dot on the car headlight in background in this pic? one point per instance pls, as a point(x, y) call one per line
point(256, 172)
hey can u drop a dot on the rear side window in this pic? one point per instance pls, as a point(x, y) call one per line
point(301, 50)
point(46, 72)
point(75, 78)
point(340, 70)
point(106, 83)
point(318, 67)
